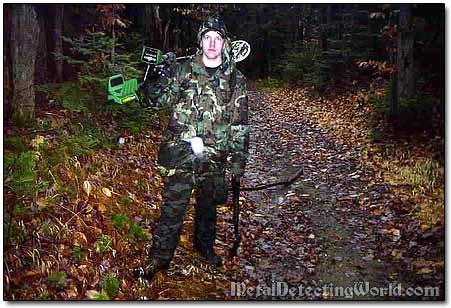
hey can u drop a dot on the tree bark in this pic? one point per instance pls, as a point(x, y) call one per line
point(158, 21)
point(114, 40)
point(24, 45)
point(57, 37)
point(7, 69)
point(166, 36)
point(42, 59)
point(406, 77)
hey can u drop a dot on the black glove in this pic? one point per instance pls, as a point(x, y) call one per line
point(160, 72)
point(157, 81)
point(166, 68)
point(170, 58)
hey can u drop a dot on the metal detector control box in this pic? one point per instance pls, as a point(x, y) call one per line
point(151, 56)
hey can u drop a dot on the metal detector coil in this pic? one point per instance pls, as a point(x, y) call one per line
point(240, 50)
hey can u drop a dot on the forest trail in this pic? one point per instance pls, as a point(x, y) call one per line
point(339, 224)
point(312, 233)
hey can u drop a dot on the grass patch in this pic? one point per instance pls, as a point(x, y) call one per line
point(270, 83)
point(425, 179)
point(424, 176)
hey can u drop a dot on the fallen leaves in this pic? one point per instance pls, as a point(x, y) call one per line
point(87, 187)
point(107, 192)
point(80, 239)
point(279, 234)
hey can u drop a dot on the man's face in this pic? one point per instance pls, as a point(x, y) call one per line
point(212, 44)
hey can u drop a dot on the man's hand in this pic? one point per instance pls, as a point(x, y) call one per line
point(157, 82)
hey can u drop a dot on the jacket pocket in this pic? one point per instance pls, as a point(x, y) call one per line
point(172, 156)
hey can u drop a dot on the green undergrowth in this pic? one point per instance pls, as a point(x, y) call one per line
point(126, 225)
point(415, 114)
point(42, 165)
point(414, 151)
point(270, 83)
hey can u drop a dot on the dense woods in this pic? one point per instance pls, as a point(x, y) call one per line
point(311, 44)
point(371, 75)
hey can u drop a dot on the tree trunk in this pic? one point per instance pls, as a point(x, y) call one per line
point(114, 40)
point(158, 22)
point(42, 59)
point(406, 77)
point(24, 45)
point(394, 106)
point(177, 31)
point(7, 69)
point(57, 37)
point(148, 23)
point(166, 36)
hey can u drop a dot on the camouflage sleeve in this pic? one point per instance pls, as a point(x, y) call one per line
point(239, 127)
point(161, 92)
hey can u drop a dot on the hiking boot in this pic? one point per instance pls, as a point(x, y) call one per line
point(211, 257)
point(196, 245)
point(207, 253)
point(154, 266)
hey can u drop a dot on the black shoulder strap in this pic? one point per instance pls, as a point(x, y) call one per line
point(232, 83)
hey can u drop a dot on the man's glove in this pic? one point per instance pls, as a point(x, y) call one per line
point(161, 73)
point(165, 70)
point(157, 82)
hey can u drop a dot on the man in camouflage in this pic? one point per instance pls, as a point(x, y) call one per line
point(208, 98)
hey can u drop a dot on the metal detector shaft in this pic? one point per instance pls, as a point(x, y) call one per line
point(147, 70)
point(236, 217)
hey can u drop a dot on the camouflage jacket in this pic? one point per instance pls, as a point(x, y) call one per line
point(214, 108)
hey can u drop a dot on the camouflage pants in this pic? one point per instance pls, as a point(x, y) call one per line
point(211, 190)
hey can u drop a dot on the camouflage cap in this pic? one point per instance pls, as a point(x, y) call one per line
point(212, 23)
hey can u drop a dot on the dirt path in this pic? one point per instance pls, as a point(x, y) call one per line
point(311, 233)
